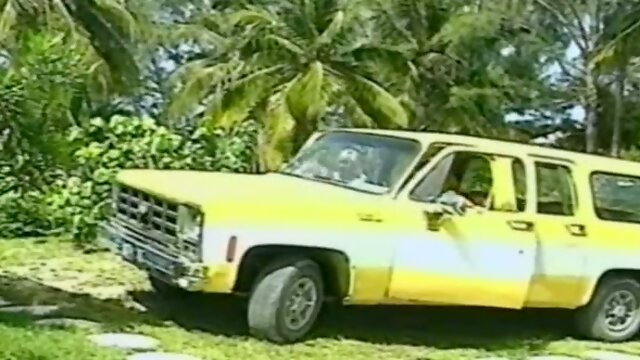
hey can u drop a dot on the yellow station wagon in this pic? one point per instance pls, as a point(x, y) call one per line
point(391, 217)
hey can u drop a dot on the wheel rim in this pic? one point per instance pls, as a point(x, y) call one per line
point(621, 309)
point(301, 303)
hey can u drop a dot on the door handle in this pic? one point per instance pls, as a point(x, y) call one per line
point(577, 229)
point(520, 225)
point(369, 218)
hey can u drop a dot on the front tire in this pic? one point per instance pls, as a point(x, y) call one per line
point(285, 303)
point(613, 314)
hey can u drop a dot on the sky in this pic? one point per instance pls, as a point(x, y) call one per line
point(577, 112)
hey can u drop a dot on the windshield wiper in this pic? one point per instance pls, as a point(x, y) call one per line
point(328, 179)
point(321, 178)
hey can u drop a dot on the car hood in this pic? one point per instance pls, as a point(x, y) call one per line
point(200, 188)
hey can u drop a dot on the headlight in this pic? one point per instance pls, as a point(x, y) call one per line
point(189, 223)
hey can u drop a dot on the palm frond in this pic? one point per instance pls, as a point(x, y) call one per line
point(287, 44)
point(117, 16)
point(307, 10)
point(385, 109)
point(305, 98)
point(99, 82)
point(382, 60)
point(107, 41)
point(331, 31)
point(7, 19)
point(251, 15)
point(277, 134)
point(619, 37)
point(235, 102)
point(199, 78)
point(64, 12)
point(181, 33)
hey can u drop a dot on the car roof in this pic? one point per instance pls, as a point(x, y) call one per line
point(597, 162)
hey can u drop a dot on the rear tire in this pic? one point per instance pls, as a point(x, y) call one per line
point(285, 303)
point(613, 313)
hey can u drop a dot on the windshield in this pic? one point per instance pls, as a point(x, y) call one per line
point(366, 162)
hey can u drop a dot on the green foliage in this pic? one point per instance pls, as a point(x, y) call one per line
point(26, 213)
point(632, 154)
point(460, 79)
point(104, 28)
point(77, 199)
point(37, 93)
point(310, 53)
point(269, 73)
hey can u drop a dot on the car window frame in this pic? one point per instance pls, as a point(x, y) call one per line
point(573, 187)
point(593, 195)
point(391, 190)
point(424, 172)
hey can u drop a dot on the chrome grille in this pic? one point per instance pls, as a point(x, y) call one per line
point(156, 217)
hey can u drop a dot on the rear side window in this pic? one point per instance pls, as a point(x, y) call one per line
point(556, 190)
point(616, 197)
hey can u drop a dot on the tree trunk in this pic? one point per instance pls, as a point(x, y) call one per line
point(591, 109)
point(621, 77)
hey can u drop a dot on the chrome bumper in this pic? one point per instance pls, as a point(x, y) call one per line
point(170, 268)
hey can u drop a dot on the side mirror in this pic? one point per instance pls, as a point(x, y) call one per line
point(434, 221)
point(434, 215)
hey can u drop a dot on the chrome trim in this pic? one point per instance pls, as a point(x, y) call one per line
point(180, 271)
point(156, 219)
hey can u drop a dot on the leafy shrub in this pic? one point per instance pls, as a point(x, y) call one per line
point(38, 90)
point(77, 201)
point(632, 154)
point(24, 214)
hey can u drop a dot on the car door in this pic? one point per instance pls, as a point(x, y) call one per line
point(485, 257)
point(562, 233)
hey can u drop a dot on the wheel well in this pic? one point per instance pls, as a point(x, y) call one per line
point(614, 273)
point(334, 265)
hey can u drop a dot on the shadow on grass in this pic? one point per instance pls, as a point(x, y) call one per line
point(112, 314)
point(440, 327)
point(448, 327)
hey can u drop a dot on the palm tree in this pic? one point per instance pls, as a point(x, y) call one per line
point(460, 80)
point(615, 50)
point(284, 63)
point(594, 28)
point(106, 26)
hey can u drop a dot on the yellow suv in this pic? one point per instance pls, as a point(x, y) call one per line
point(391, 217)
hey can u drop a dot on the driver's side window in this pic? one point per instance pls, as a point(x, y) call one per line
point(465, 173)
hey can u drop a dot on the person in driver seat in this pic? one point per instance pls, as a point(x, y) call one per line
point(450, 195)
point(350, 167)
point(463, 189)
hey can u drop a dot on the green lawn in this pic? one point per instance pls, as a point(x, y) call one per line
point(100, 288)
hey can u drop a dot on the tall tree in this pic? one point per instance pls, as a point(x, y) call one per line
point(106, 25)
point(576, 25)
point(472, 62)
point(284, 63)
point(615, 50)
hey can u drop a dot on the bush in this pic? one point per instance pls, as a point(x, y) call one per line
point(76, 200)
point(632, 154)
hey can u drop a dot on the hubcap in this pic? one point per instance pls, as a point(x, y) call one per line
point(620, 311)
point(301, 303)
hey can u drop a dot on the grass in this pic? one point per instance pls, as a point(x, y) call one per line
point(100, 288)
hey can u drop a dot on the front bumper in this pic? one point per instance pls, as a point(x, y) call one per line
point(161, 264)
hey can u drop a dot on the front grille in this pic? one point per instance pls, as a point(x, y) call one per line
point(156, 217)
